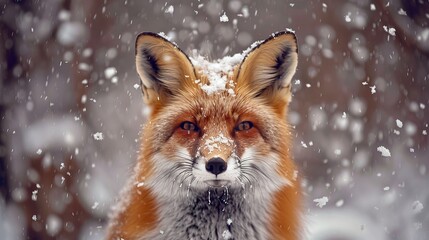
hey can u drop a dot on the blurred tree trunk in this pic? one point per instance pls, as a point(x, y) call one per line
point(39, 210)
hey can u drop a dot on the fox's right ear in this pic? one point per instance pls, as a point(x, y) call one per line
point(163, 68)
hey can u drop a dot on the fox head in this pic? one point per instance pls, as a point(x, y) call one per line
point(216, 124)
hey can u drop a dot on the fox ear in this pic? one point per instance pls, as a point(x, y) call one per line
point(163, 68)
point(267, 70)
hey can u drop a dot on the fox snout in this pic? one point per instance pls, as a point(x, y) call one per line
point(216, 165)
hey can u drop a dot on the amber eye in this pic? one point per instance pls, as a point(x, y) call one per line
point(188, 126)
point(246, 125)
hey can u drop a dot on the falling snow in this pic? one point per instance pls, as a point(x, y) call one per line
point(399, 123)
point(110, 72)
point(224, 18)
point(390, 30)
point(226, 235)
point(339, 203)
point(72, 110)
point(384, 151)
point(95, 205)
point(170, 9)
point(321, 202)
point(98, 136)
point(417, 207)
point(402, 12)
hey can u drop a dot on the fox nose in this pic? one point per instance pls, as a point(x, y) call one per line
point(216, 165)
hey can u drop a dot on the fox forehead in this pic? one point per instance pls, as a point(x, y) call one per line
point(217, 76)
point(211, 109)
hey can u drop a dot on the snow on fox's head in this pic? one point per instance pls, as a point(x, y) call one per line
point(220, 123)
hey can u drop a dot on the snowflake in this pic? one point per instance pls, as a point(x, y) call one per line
point(384, 151)
point(98, 136)
point(224, 18)
point(320, 202)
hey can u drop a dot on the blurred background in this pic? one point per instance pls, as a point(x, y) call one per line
point(71, 109)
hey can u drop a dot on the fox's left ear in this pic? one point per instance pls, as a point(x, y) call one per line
point(267, 70)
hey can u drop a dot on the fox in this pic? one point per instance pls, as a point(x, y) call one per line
point(215, 157)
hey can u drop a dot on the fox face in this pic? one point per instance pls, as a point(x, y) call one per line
point(217, 124)
point(214, 160)
point(218, 141)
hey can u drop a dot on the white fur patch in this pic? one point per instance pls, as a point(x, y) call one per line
point(189, 208)
point(266, 174)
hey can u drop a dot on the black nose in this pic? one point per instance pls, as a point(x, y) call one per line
point(216, 165)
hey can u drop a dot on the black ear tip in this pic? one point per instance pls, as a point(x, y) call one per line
point(160, 36)
point(157, 35)
point(139, 36)
point(288, 32)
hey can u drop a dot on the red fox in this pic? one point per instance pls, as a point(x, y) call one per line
point(215, 159)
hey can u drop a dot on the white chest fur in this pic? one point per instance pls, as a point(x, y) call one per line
point(213, 214)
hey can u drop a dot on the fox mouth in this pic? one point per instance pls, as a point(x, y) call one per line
point(217, 182)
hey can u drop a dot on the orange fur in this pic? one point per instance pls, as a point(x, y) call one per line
point(287, 204)
point(139, 216)
point(170, 90)
point(286, 220)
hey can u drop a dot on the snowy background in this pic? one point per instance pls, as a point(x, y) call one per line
point(70, 109)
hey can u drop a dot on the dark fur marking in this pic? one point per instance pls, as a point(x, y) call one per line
point(255, 231)
point(155, 71)
point(151, 61)
point(279, 70)
point(280, 63)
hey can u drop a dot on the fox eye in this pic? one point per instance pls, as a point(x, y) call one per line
point(246, 125)
point(189, 126)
